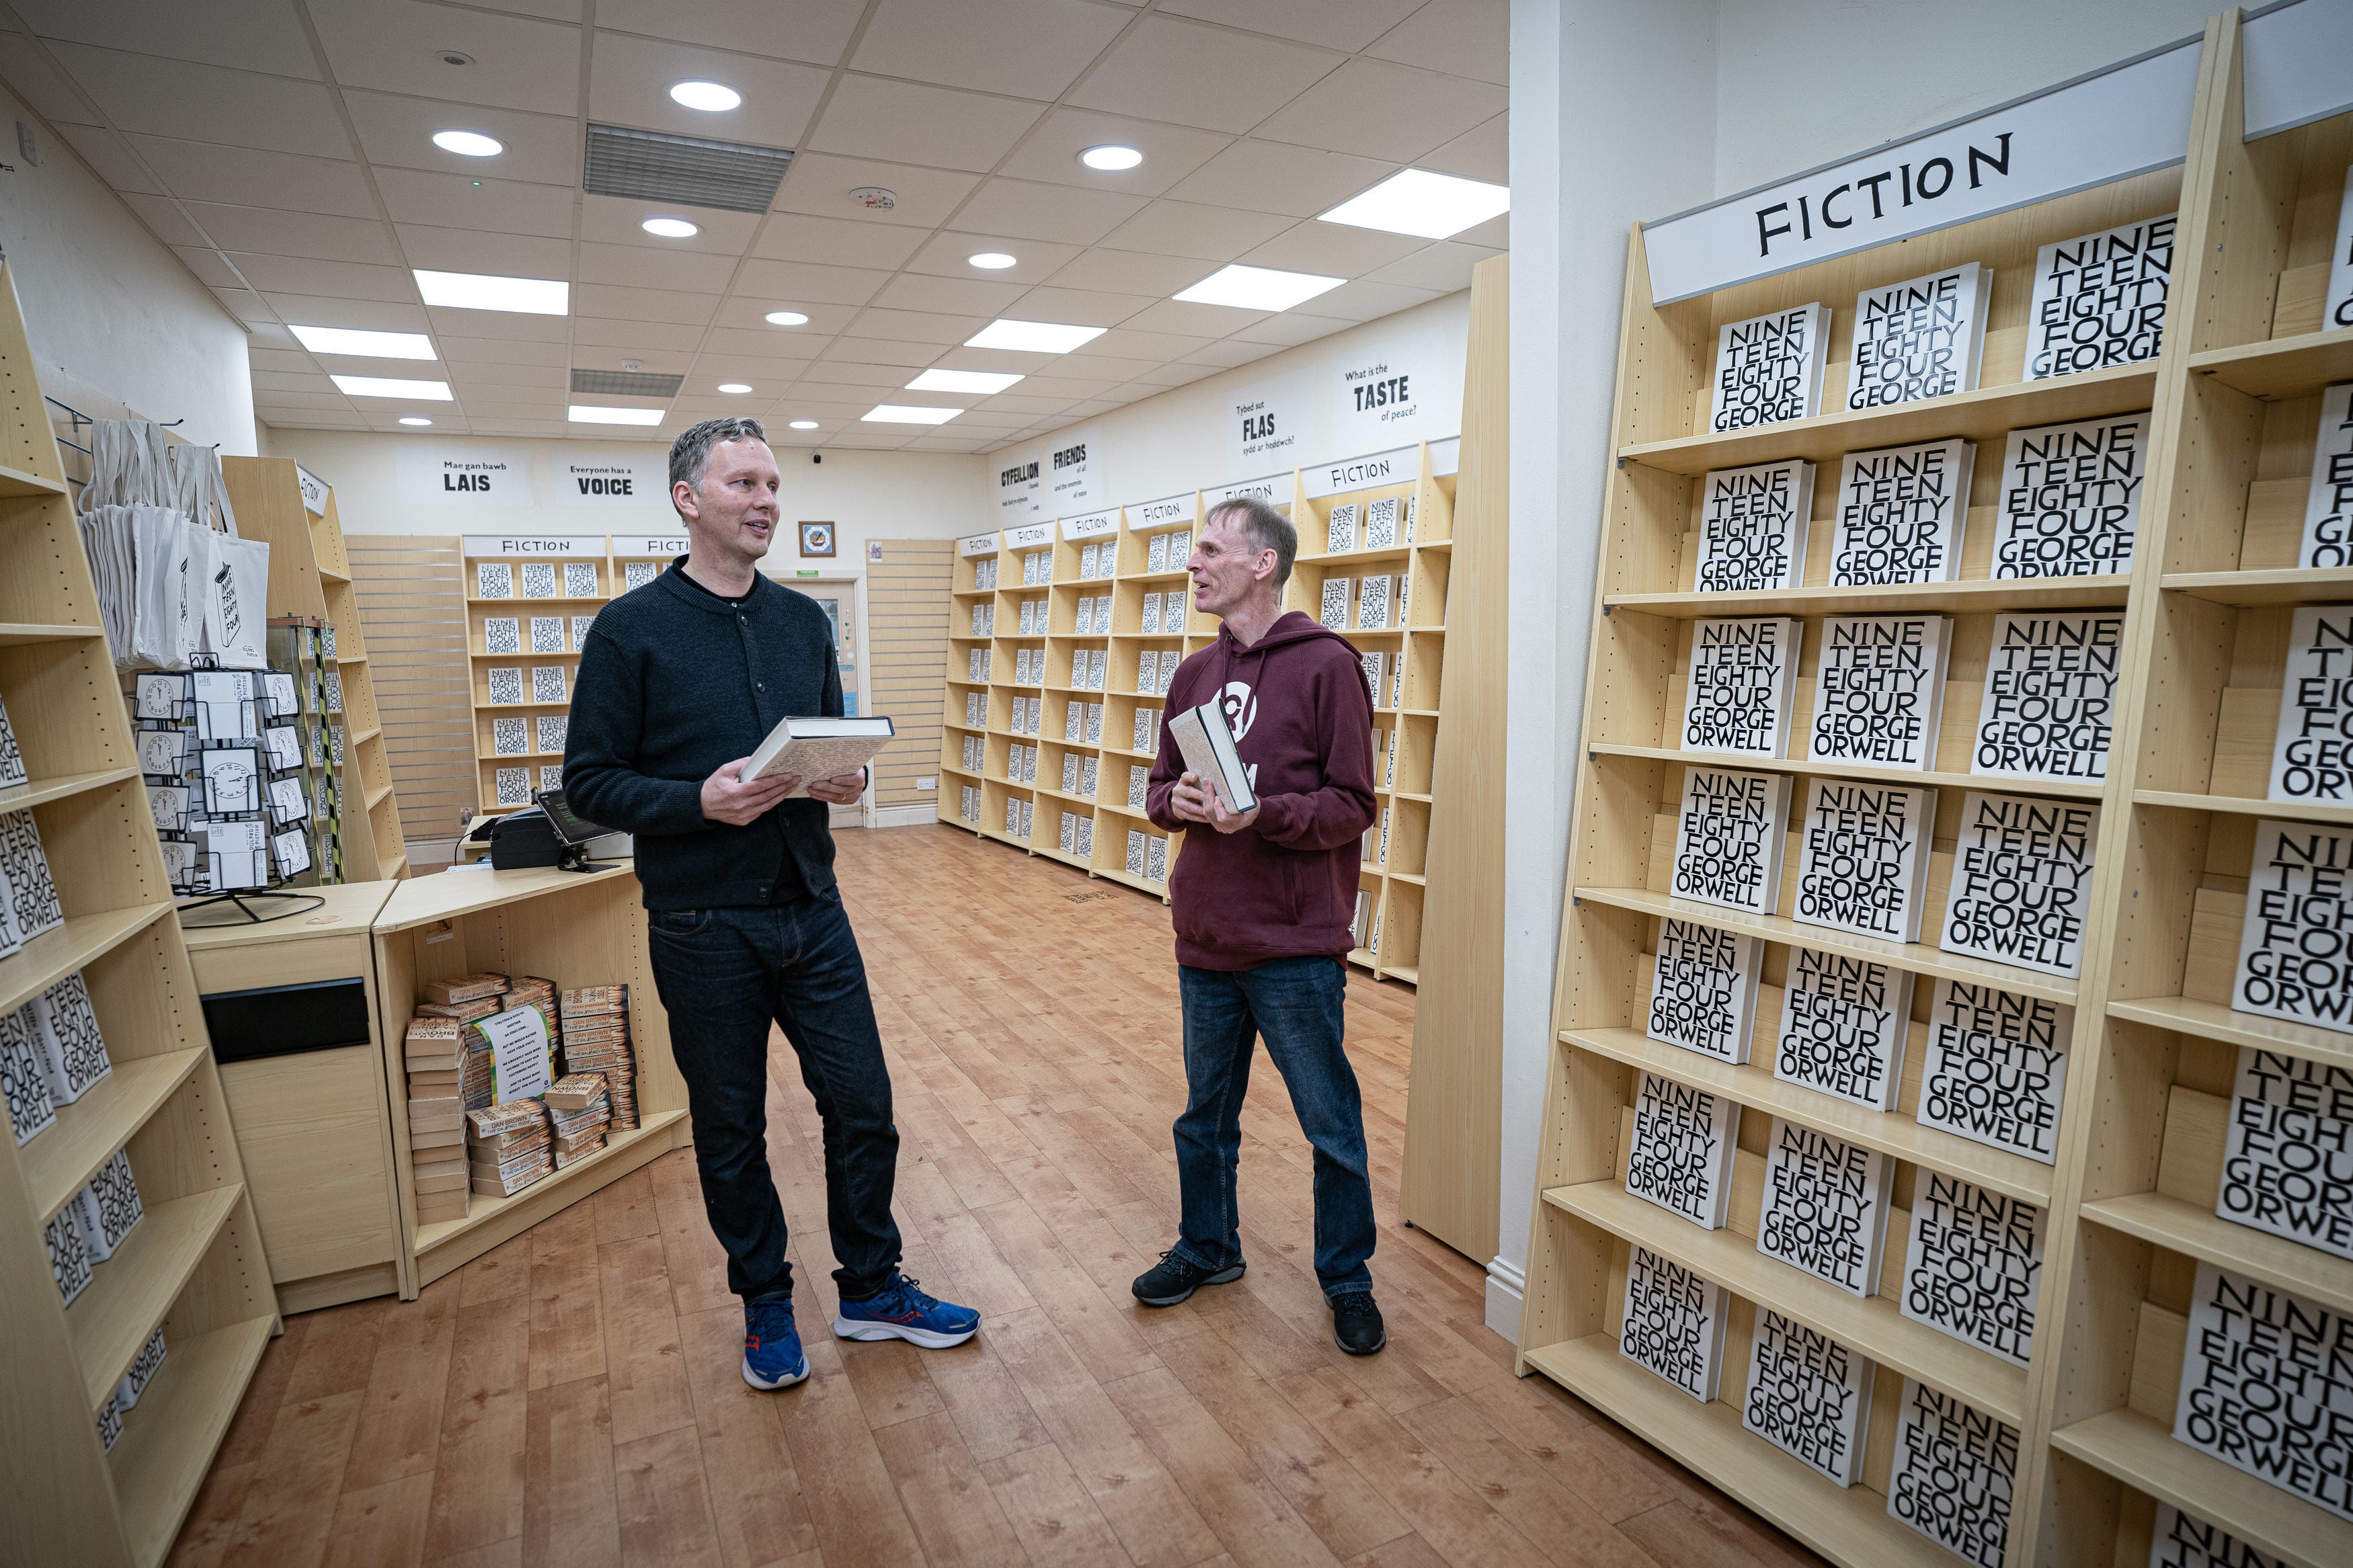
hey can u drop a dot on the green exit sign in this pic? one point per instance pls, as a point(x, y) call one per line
point(805, 574)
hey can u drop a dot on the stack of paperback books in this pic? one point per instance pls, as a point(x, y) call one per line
point(434, 1058)
point(597, 1040)
point(508, 1146)
point(468, 999)
point(581, 1111)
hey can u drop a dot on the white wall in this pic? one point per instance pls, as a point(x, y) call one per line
point(1623, 113)
point(868, 495)
point(115, 320)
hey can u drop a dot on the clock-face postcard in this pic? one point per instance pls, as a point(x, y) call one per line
point(816, 539)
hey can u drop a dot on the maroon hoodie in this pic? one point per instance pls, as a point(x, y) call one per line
point(1285, 886)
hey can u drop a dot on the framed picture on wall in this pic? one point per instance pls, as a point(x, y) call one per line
point(816, 539)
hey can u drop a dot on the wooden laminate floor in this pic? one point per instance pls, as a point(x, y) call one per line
point(571, 1398)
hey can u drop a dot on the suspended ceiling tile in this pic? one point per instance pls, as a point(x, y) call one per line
point(509, 324)
point(1171, 228)
point(540, 149)
point(954, 296)
point(270, 334)
point(634, 266)
point(1348, 27)
point(1228, 353)
point(546, 10)
point(311, 419)
point(1445, 266)
point(856, 372)
point(1189, 74)
point(1332, 250)
point(1168, 375)
point(306, 274)
point(624, 302)
point(497, 206)
point(548, 378)
point(791, 283)
point(1278, 177)
point(597, 343)
point(767, 376)
point(815, 31)
point(1462, 38)
point(941, 332)
point(1027, 48)
point(164, 219)
point(1024, 409)
point(1034, 260)
point(1079, 307)
point(1098, 365)
point(1481, 152)
point(1291, 328)
point(1193, 320)
point(290, 381)
point(882, 352)
point(819, 184)
point(262, 359)
point(1070, 388)
point(1005, 361)
point(247, 176)
point(908, 122)
point(1362, 301)
point(1132, 272)
point(396, 46)
point(108, 155)
point(472, 250)
point(330, 401)
point(618, 220)
point(27, 68)
point(460, 351)
point(209, 266)
point(629, 81)
point(835, 241)
point(317, 235)
point(1124, 342)
point(1060, 214)
point(1382, 109)
point(141, 94)
point(1495, 233)
point(518, 427)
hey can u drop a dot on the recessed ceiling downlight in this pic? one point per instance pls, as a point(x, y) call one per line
point(415, 419)
point(1111, 158)
point(469, 144)
point(786, 319)
point(989, 260)
point(734, 388)
point(804, 425)
point(707, 96)
point(669, 228)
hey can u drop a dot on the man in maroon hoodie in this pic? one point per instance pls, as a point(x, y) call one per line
point(1262, 901)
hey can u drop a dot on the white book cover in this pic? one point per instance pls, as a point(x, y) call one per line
point(1381, 524)
point(579, 579)
point(1845, 1024)
point(1094, 723)
point(1150, 625)
point(32, 890)
point(538, 579)
point(1028, 809)
point(2337, 306)
point(502, 634)
point(1155, 554)
point(1079, 668)
point(2070, 499)
point(107, 1206)
point(1029, 617)
point(1863, 858)
point(1769, 369)
point(2264, 1389)
point(1148, 672)
point(1135, 836)
point(1879, 689)
point(25, 1074)
point(1973, 1264)
point(1082, 622)
point(1069, 839)
point(636, 574)
point(1994, 1068)
point(1088, 555)
point(548, 682)
point(1335, 603)
point(1155, 859)
point(552, 732)
point(1087, 767)
point(1373, 604)
point(2099, 299)
point(547, 634)
point(513, 786)
point(493, 580)
point(1901, 514)
point(1372, 663)
point(1139, 779)
point(1180, 549)
point(1086, 834)
point(1953, 1473)
point(1741, 688)
point(1073, 721)
point(1680, 1153)
point(976, 712)
point(1924, 337)
point(72, 1049)
point(1396, 681)
point(1825, 1206)
point(2287, 1157)
point(69, 1263)
point(1012, 818)
point(2299, 905)
point(1753, 523)
point(1704, 990)
point(2311, 759)
point(2050, 696)
point(2329, 502)
point(1070, 772)
point(1807, 1396)
point(1672, 1322)
point(2179, 1539)
point(1730, 831)
point(12, 756)
point(509, 738)
point(2021, 882)
point(1340, 529)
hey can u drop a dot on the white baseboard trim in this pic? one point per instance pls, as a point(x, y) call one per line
point(1507, 1288)
point(905, 816)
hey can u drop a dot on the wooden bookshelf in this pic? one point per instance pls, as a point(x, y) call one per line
point(1422, 474)
point(567, 559)
point(193, 1264)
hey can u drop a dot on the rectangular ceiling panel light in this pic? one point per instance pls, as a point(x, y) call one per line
point(481, 291)
point(390, 386)
point(364, 345)
point(588, 414)
point(983, 381)
point(1034, 337)
point(1426, 206)
point(906, 414)
point(1257, 288)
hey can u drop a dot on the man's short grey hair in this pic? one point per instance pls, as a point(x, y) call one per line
point(690, 452)
point(1263, 527)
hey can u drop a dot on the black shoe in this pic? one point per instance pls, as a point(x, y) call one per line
point(1172, 1279)
point(1356, 1324)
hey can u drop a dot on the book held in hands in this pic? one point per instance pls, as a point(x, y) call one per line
point(818, 749)
point(1206, 742)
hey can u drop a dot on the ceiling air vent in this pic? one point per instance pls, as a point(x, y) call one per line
point(686, 171)
point(624, 382)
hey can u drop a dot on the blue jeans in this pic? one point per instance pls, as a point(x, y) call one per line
point(1294, 1005)
point(724, 975)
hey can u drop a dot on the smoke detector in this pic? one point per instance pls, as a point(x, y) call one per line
point(874, 198)
point(453, 57)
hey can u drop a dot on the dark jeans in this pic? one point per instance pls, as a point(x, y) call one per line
point(1294, 1005)
point(724, 975)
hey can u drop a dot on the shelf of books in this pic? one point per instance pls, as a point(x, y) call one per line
point(317, 636)
point(1064, 637)
point(1943, 1021)
point(137, 1298)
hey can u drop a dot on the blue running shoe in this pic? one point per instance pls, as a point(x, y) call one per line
point(900, 1312)
point(771, 1346)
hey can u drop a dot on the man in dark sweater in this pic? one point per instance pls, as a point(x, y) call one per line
point(1262, 901)
point(679, 681)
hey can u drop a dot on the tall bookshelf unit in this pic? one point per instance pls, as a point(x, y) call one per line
point(2128, 1205)
point(310, 595)
point(192, 1265)
point(1405, 713)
